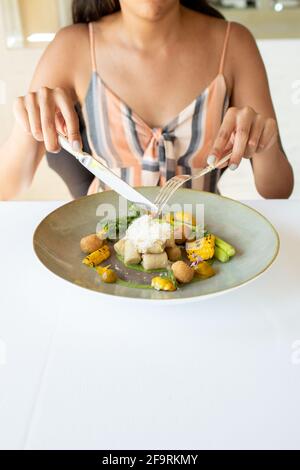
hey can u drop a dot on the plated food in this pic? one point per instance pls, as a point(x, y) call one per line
point(164, 253)
point(57, 245)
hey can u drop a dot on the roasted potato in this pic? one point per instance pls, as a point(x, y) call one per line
point(182, 272)
point(90, 243)
point(174, 253)
point(171, 242)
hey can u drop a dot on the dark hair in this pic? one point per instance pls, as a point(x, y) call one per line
point(85, 11)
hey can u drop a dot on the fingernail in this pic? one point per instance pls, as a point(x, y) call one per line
point(38, 136)
point(76, 145)
point(211, 160)
point(233, 166)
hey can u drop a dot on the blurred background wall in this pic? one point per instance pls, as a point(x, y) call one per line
point(281, 56)
point(17, 67)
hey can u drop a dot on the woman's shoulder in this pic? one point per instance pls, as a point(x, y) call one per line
point(68, 45)
point(216, 27)
point(64, 60)
point(240, 39)
point(71, 35)
point(71, 42)
point(241, 35)
point(242, 48)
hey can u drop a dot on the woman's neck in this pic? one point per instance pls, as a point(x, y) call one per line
point(148, 34)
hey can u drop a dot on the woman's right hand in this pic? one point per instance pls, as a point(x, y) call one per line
point(47, 111)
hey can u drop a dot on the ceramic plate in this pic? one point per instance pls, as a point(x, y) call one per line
point(56, 243)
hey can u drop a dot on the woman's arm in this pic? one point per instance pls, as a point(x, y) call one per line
point(19, 159)
point(48, 105)
point(251, 122)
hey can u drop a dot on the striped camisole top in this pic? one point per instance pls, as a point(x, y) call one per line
point(145, 156)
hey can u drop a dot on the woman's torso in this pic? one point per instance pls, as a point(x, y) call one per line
point(124, 135)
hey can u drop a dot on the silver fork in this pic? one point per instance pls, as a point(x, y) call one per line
point(171, 186)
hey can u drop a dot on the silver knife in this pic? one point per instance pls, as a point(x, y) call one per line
point(106, 175)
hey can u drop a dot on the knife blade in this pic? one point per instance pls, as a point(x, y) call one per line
point(106, 175)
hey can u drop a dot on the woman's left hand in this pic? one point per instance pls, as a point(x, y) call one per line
point(245, 133)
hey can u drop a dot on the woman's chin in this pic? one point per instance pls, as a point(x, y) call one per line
point(151, 10)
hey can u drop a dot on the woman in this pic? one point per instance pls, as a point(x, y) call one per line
point(165, 86)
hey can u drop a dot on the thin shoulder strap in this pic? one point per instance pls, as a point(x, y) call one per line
point(224, 48)
point(92, 47)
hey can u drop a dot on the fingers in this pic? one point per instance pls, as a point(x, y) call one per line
point(60, 123)
point(227, 150)
point(21, 114)
point(47, 113)
point(42, 114)
point(223, 138)
point(68, 114)
point(243, 127)
point(245, 133)
point(33, 113)
point(269, 135)
point(255, 135)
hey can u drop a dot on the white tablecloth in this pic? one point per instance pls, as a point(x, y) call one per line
point(80, 371)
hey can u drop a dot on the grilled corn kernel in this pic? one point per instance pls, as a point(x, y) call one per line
point(205, 248)
point(97, 257)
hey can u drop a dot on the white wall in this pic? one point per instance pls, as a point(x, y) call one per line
point(282, 58)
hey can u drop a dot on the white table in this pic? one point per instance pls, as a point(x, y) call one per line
point(82, 371)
